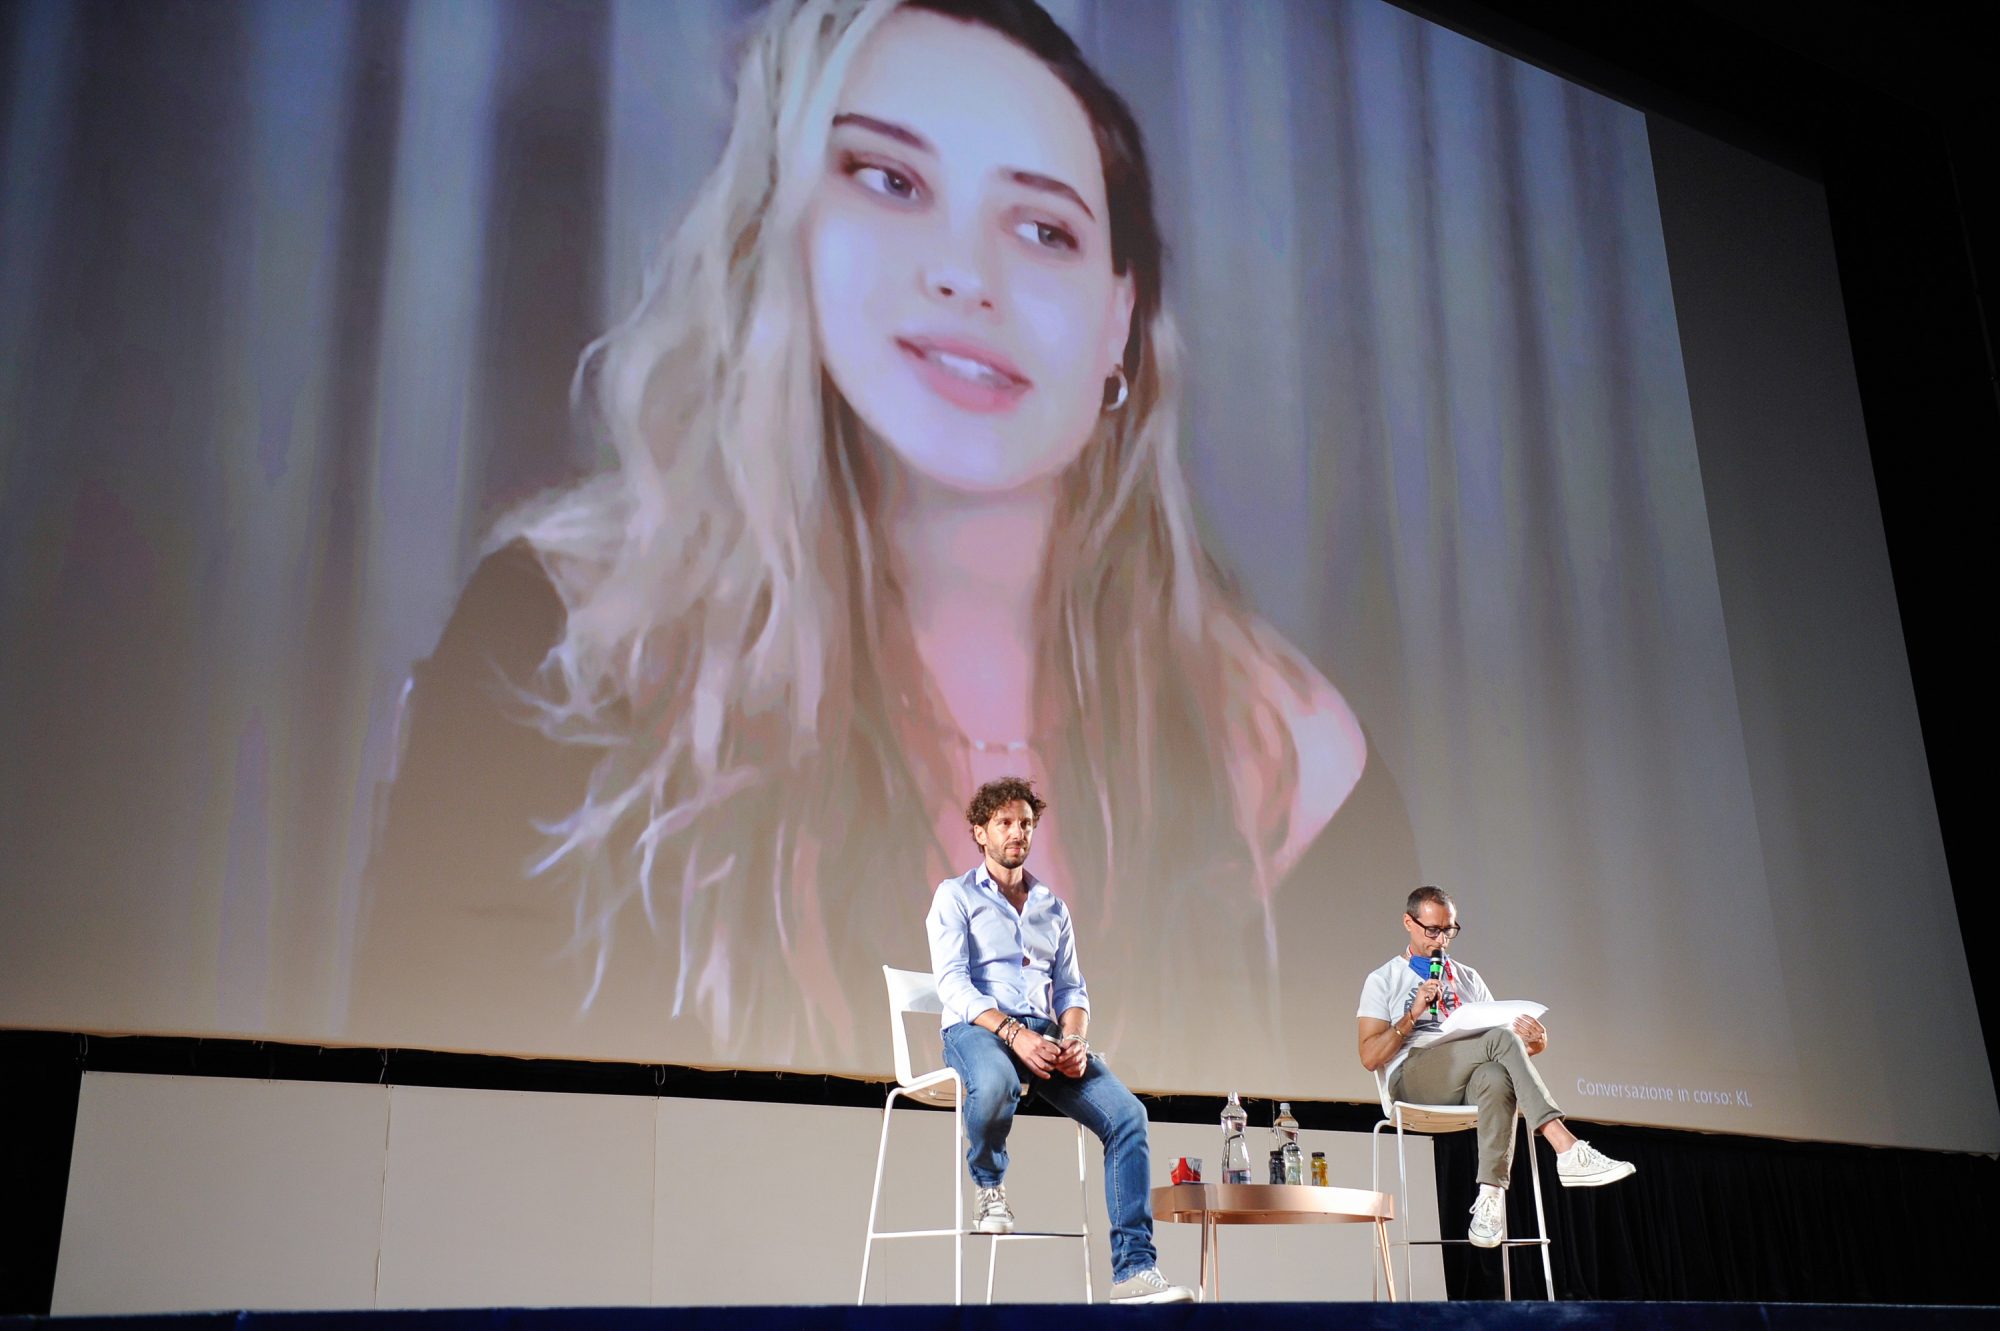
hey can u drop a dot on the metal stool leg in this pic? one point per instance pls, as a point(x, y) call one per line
point(1083, 1211)
point(875, 1200)
point(1375, 1185)
point(958, 1202)
point(1403, 1204)
point(1541, 1219)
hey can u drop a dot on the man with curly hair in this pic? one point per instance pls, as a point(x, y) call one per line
point(1003, 951)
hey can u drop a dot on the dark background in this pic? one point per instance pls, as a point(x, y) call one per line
point(1895, 111)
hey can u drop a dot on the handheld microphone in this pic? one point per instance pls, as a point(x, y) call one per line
point(1437, 973)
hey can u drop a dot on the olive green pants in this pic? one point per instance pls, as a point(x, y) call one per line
point(1492, 1071)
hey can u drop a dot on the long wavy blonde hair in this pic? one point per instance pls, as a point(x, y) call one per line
point(735, 642)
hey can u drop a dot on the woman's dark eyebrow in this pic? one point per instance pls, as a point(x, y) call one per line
point(1050, 185)
point(903, 134)
point(886, 128)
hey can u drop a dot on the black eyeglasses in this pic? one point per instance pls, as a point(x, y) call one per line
point(1435, 930)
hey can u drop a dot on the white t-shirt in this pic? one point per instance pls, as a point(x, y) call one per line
point(1389, 989)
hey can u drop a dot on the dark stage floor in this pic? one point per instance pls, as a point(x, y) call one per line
point(1251, 1316)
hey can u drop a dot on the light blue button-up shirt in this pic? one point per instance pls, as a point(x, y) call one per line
point(985, 955)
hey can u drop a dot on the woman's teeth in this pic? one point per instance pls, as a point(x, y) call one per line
point(972, 371)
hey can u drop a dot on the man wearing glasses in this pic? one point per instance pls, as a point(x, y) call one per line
point(1401, 1018)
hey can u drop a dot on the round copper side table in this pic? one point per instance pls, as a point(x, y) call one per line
point(1214, 1204)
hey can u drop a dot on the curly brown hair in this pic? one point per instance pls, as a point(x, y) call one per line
point(997, 794)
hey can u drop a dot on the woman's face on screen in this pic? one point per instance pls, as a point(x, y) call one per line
point(960, 256)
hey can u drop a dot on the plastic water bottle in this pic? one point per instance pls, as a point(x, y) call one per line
point(1235, 1150)
point(1286, 1129)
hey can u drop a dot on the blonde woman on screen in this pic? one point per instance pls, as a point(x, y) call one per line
point(898, 509)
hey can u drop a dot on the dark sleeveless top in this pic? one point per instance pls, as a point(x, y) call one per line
point(460, 946)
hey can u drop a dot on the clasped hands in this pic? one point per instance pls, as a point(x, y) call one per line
point(1044, 1057)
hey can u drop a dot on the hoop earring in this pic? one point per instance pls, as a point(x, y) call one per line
point(1124, 389)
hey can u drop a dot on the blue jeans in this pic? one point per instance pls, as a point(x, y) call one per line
point(1097, 1099)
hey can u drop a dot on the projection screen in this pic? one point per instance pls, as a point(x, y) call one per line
point(520, 537)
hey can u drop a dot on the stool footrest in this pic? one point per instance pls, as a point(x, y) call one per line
point(976, 1234)
point(1438, 1243)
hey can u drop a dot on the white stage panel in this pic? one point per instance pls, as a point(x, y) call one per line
point(193, 1193)
point(197, 1193)
point(759, 1203)
point(516, 1198)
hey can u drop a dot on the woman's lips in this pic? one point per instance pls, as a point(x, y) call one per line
point(971, 378)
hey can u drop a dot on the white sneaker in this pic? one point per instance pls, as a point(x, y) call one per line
point(1584, 1166)
point(1489, 1219)
point(1149, 1286)
point(991, 1215)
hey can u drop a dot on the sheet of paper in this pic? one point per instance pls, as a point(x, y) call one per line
point(1472, 1018)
